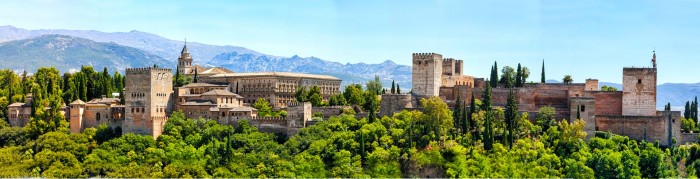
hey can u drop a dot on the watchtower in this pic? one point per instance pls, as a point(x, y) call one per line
point(427, 73)
point(148, 100)
point(639, 91)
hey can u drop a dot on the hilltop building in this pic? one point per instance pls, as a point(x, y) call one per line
point(630, 112)
point(222, 95)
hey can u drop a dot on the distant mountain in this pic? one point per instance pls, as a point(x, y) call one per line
point(68, 53)
point(227, 56)
point(154, 44)
point(350, 73)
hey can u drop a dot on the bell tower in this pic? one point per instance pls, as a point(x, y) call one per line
point(184, 62)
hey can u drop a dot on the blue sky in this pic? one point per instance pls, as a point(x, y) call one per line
point(586, 39)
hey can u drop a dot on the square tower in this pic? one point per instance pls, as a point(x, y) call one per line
point(427, 73)
point(148, 100)
point(639, 91)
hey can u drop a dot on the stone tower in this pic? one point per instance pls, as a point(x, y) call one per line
point(427, 73)
point(148, 100)
point(639, 91)
point(184, 62)
point(77, 108)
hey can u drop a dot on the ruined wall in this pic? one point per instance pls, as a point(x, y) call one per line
point(663, 127)
point(427, 74)
point(607, 102)
point(687, 138)
point(392, 103)
point(639, 91)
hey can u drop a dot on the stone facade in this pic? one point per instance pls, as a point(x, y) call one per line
point(98, 111)
point(148, 100)
point(639, 91)
point(427, 74)
point(629, 112)
point(277, 87)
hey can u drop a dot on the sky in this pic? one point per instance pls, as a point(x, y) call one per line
point(584, 39)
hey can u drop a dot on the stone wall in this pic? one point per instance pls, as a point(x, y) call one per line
point(639, 91)
point(392, 103)
point(591, 85)
point(427, 74)
point(585, 107)
point(607, 102)
point(328, 111)
point(687, 138)
point(662, 127)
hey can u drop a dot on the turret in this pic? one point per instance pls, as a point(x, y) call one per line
point(184, 62)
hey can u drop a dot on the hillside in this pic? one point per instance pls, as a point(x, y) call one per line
point(69, 53)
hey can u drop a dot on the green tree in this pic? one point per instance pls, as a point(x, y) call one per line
point(545, 118)
point(301, 94)
point(196, 74)
point(525, 74)
point(508, 76)
point(519, 76)
point(567, 79)
point(263, 107)
point(437, 116)
point(375, 85)
point(510, 115)
point(686, 111)
point(393, 87)
point(353, 94)
point(543, 78)
point(488, 128)
point(608, 88)
point(494, 75)
point(316, 99)
point(398, 89)
point(106, 83)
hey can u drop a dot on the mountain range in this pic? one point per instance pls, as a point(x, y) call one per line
point(22, 49)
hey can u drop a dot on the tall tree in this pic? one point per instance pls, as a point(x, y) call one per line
point(457, 112)
point(301, 94)
point(519, 76)
point(543, 78)
point(510, 115)
point(686, 111)
point(472, 124)
point(398, 89)
point(494, 75)
point(524, 75)
point(106, 83)
point(695, 110)
point(393, 87)
point(194, 80)
point(508, 76)
point(488, 128)
point(375, 85)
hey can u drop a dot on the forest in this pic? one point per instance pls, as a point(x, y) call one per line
point(473, 141)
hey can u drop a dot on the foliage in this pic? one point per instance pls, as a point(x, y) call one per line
point(608, 88)
point(545, 118)
point(567, 79)
point(263, 107)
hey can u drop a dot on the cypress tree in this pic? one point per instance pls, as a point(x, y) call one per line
point(488, 129)
point(543, 78)
point(695, 110)
point(457, 112)
point(578, 112)
point(510, 114)
point(494, 75)
point(194, 80)
point(236, 87)
point(398, 89)
point(393, 87)
point(519, 77)
point(686, 111)
point(472, 110)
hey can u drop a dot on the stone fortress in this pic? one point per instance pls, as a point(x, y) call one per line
point(221, 95)
point(630, 112)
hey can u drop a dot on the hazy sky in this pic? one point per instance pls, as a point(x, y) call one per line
point(586, 39)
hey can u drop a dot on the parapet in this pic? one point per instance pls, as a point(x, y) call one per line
point(148, 69)
point(425, 55)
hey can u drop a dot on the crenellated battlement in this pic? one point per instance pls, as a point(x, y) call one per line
point(449, 59)
point(424, 55)
point(148, 69)
point(260, 118)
